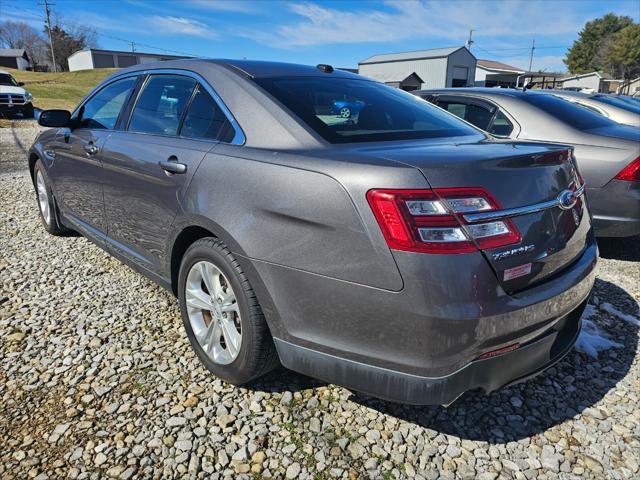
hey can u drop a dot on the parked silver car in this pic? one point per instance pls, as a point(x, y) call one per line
point(397, 251)
point(617, 109)
point(608, 153)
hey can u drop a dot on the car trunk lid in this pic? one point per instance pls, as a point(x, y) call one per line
point(526, 180)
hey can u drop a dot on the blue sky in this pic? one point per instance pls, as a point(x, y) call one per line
point(337, 32)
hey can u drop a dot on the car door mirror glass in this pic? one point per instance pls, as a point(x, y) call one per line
point(54, 118)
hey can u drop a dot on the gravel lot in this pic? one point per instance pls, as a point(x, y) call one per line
point(97, 379)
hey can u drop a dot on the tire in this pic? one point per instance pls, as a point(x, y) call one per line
point(345, 112)
point(256, 355)
point(28, 111)
point(46, 202)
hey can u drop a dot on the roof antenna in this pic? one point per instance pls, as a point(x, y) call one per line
point(324, 67)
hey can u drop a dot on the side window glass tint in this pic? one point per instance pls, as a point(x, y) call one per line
point(501, 125)
point(205, 119)
point(102, 110)
point(161, 104)
point(474, 114)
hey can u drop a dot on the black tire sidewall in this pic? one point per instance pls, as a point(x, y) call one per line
point(213, 251)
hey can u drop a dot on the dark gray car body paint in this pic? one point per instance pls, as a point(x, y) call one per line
point(293, 210)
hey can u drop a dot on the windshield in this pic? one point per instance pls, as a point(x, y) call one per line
point(6, 79)
point(616, 102)
point(345, 110)
point(568, 112)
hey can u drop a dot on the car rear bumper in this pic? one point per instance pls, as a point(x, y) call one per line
point(422, 344)
point(616, 209)
point(489, 374)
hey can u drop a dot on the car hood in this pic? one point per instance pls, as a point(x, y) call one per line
point(11, 89)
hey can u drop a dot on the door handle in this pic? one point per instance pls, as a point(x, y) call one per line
point(91, 149)
point(172, 165)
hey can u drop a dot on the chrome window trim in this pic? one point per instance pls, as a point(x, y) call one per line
point(516, 212)
point(239, 137)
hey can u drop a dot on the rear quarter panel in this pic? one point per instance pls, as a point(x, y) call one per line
point(289, 210)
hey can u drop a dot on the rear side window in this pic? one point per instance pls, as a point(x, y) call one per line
point(501, 125)
point(472, 113)
point(567, 112)
point(206, 120)
point(102, 110)
point(161, 104)
point(344, 110)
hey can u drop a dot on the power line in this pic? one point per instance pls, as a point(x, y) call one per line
point(112, 37)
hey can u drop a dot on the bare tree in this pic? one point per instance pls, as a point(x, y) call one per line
point(22, 35)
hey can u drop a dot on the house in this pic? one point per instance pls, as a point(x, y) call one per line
point(631, 87)
point(490, 73)
point(94, 58)
point(592, 82)
point(434, 68)
point(14, 58)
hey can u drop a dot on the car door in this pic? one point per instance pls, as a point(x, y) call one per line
point(148, 167)
point(77, 170)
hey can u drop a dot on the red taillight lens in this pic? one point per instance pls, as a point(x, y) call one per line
point(428, 220)
point(631, 172)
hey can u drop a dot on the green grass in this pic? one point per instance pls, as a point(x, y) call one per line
point(60, 90)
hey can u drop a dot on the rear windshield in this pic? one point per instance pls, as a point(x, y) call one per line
point(345, 110)
point(568, 112)
point(617, 102)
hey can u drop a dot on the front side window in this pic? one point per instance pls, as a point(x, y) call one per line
point(345, 110)
point(6, 79)
point(102, 110)
point(472, 113)
point(206, 120)
point(161, 104)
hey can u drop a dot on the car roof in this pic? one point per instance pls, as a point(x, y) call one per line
point(249, 68)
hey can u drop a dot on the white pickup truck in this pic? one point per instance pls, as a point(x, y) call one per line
point(13, 98)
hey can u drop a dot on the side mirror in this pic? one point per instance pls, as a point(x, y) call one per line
point(20, 84)
point(54, 118)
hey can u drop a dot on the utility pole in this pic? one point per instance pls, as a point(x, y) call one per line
point(133, 46)
point(533, 48)
point(469, 41)
point(48, 13)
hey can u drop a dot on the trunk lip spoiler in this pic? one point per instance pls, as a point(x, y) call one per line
point(565, 200)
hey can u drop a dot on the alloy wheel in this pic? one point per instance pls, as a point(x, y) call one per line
point(214, 313)
point(345, 112)
point(43, 198)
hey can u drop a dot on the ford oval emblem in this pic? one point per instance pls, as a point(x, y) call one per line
point(567, 199)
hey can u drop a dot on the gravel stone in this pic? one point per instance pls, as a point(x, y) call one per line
point(99, 380)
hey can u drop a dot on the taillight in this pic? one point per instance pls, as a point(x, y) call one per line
point(430, 221)
point(631, 172)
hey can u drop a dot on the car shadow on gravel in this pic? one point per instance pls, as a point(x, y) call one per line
point(557, 395)
point(620, 248)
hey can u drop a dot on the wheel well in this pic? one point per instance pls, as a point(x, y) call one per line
point(33, 158)
point(184, 240)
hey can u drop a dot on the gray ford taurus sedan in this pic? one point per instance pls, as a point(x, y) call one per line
point(397, 251)
point(608, 154)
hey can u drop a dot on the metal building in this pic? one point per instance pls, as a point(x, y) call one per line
point(490, 73)
point(93, 58)
point(434, 68)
